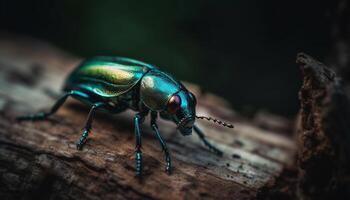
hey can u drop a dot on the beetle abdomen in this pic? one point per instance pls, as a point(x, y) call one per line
point(107, 76)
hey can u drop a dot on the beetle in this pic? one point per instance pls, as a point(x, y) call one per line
point(114, 84)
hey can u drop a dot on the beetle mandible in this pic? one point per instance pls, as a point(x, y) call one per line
point(114, 84)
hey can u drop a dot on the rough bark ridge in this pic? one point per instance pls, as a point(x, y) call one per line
point(324, 138)
point(38, 160)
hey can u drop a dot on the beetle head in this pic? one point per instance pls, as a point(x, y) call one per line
point(181, 108)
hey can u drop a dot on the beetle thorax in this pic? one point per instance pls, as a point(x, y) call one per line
point(157, 88)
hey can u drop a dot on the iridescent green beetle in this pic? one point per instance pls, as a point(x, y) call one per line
point(114, 84)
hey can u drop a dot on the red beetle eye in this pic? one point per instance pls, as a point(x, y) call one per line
point(174, 104)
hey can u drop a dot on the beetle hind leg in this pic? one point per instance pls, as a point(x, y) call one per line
point(87, 127)
point(44, 115)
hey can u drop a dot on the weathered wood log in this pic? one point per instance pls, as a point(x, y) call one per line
point(39, 160)
point(324, 134)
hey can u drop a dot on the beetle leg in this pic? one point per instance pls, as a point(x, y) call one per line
point(87, 126)
point(205, 141)
point(138, 120)
point(161, 141)
point(44, 115)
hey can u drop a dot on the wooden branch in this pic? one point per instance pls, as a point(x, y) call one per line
point(40, 160)
point(324, 135)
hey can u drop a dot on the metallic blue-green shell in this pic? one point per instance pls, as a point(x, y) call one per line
point(110, 77)
point(107, 76)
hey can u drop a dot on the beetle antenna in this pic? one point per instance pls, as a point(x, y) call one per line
point(216, 121)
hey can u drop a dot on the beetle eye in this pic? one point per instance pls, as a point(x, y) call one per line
point(174, 104)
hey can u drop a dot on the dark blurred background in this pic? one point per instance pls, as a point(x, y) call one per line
point(242, 50)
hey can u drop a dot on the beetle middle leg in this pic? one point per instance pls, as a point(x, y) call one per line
point(87, 126)
point(205, 141)
point(138, 119)
point(161, 141)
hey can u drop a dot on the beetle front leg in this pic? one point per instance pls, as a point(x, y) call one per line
point(138, 120)
point(87, 126)
point(205, 141)
point(161, 141)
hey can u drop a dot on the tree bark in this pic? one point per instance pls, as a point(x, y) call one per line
point(323, 140)
point(39, 160)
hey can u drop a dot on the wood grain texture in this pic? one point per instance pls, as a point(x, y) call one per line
point(39, 160)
